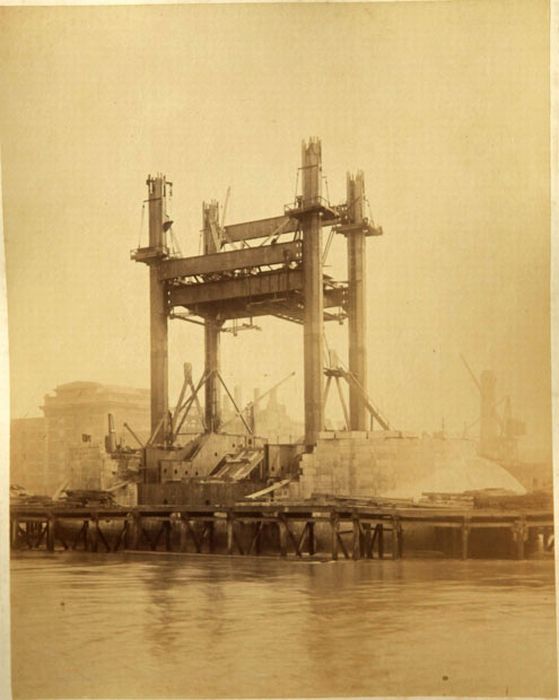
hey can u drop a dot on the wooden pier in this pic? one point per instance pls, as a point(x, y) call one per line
point(359, 532)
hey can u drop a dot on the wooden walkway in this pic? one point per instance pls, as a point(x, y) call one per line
point(285, 529)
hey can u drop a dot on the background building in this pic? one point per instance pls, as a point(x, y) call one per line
point(67, 445)
point(28, 453)
point(266, 414)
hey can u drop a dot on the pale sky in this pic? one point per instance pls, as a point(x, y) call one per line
point(444, 105)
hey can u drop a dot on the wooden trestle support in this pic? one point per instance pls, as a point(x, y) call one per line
point(251, 530)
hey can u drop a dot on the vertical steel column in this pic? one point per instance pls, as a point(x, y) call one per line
point(357, 320)
point(312, 289)
point(158, 307)
point(212, 328)
point(212, 331)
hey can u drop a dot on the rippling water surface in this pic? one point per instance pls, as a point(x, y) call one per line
point(155, 626)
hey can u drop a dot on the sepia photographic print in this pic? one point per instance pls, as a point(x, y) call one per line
point(277, 350)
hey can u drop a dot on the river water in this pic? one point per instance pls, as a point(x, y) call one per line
point(155, 626)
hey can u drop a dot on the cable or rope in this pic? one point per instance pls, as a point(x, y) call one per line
point(296, 185)
point(326, 350)
point(170, 201)
point(175, 242)
point(369, 211)
point(327, 192)
point(141, 225)
point(175, 247)
point(327, 246)
point(354, 201)
point(276, 232)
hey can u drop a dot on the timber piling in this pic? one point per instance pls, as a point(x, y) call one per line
point(300, 530)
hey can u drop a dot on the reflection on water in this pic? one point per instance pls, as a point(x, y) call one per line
point(155, 626)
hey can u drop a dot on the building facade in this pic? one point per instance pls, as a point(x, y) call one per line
point(67, 446)
point(28, 453)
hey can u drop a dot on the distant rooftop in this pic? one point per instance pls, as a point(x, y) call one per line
point(98, 387)
point(95, 393)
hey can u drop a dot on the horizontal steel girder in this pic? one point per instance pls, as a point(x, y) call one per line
point(248, 287)
point(275, 302)
point(260, 229)
point(227, 261)
point(264, 228)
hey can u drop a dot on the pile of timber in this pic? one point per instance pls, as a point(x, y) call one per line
point(503, 500)
point(31, 499)
point(447, 500)
point(87, 497)
point(498, 499)
point(19, 495)
point(371, 501)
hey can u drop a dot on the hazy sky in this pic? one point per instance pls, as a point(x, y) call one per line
point(444, 105)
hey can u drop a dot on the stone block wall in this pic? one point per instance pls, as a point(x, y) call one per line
point(396, 465)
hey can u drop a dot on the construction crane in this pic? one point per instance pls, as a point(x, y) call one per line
point(335, 371)
point(497, 433)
